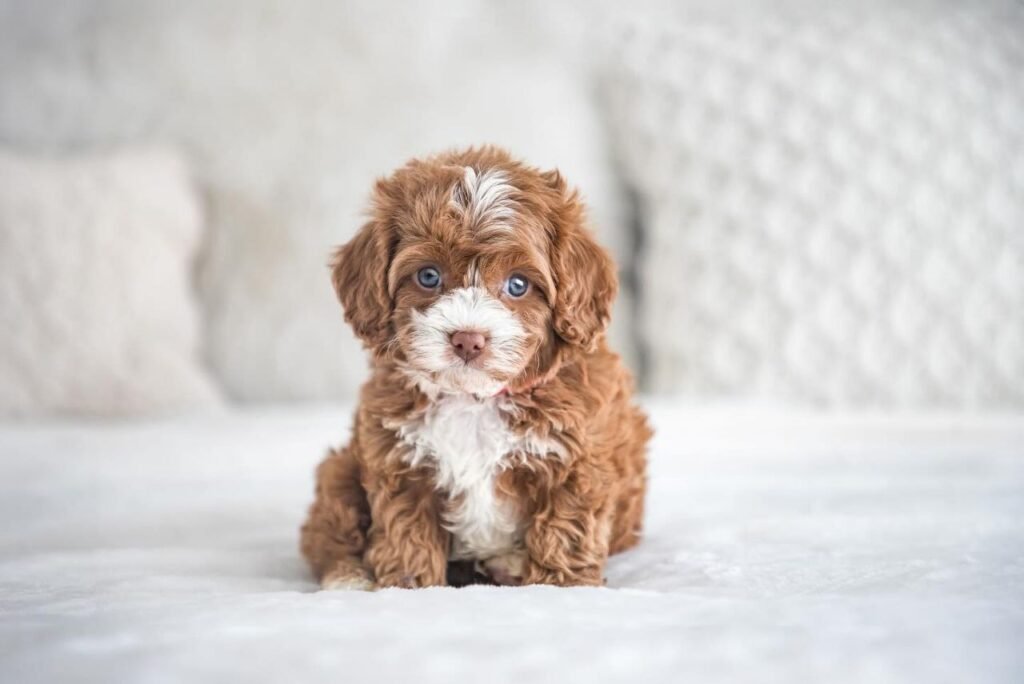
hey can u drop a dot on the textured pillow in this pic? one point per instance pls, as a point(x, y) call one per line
point(96, 304)
point(833, 203)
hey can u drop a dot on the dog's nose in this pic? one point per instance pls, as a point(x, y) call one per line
point(468, 345)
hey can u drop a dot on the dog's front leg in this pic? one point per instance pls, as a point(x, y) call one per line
point(407, 545)
point(567, 537)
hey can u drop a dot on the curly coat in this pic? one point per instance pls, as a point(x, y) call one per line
point(570, 490)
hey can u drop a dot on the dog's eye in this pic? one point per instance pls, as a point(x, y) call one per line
point(516, 285)
point(428, 277)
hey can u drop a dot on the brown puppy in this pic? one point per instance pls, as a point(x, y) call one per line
point(496, 426)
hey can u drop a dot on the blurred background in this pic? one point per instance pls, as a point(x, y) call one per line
point(812, 204)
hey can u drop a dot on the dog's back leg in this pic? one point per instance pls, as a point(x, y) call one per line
point(334, 535)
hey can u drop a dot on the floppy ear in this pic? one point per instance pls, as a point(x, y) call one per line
point(584, 274)
point(359, 271)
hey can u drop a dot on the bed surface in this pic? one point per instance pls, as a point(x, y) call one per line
point(778, 547)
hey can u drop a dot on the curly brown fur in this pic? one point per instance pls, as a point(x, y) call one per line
point(527, 460)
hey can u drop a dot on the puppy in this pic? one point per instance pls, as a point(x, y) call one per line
point(496, 427)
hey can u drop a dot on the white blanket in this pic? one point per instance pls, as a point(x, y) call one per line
point(783, 548)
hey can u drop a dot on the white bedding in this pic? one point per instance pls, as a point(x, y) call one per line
point(783, 548)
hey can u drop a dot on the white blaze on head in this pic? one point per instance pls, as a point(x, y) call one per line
point(469, 309)
point(484, 199)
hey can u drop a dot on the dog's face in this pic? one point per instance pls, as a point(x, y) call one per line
point(475, 274)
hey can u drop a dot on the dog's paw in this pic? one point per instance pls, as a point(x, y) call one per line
point(347, 578)
point(507, 569)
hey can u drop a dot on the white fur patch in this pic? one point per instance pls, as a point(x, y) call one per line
point(469, 442)
point(485, 199)
point(467, 308)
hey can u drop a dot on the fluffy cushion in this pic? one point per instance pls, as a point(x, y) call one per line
point(833, 203)
point(289, 111)
point(95, 291)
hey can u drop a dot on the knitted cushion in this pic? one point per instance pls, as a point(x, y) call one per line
point(833, 204)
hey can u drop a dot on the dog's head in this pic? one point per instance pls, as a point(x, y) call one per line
point(475, 273)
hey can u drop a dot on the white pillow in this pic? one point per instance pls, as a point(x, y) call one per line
point(96, 305)
point(833, 203)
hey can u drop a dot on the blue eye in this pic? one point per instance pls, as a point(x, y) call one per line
point(516, 286)
point(428, 277)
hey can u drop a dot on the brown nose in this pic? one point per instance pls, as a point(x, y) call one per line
point(468, 345)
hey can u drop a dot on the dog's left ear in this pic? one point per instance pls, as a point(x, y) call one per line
point(584, 274)
point(359, 274)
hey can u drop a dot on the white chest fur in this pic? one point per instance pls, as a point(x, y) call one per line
point(469, 442)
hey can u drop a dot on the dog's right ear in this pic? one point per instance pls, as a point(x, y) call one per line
point(359, 271)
